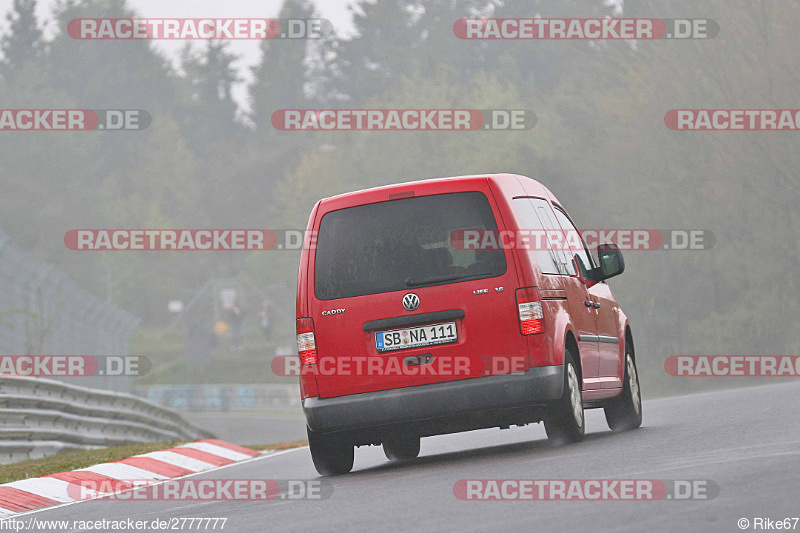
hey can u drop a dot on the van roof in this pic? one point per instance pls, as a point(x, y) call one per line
point(432, 186)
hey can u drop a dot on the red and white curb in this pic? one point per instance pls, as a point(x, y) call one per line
point(54, 489)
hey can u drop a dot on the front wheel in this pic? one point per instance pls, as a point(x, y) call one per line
point(332, 454)
point(565, 422)
point(625, 412)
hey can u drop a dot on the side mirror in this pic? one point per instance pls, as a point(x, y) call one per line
point(611, 261)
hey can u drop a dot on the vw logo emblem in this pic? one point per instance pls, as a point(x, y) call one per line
point(411, 301)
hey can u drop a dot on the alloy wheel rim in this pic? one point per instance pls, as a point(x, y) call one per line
point(633, 385)
point(575, 395)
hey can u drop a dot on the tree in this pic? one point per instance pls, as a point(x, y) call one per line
point(23, 42)
point(208, 112)
point(543, 65)
point(370, 62)
point(108, 74)
point(281, 76)
point(743, 186)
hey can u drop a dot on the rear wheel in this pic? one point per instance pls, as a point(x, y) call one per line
point(332, 454)
point(625, 412)
point(401, 448)
point(565, 421)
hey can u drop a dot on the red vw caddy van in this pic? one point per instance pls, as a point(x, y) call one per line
point(431, 307)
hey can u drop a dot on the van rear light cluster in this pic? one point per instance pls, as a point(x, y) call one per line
point(529, 307)
point(306, 344)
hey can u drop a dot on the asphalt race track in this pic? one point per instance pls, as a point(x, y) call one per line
point(746, 441)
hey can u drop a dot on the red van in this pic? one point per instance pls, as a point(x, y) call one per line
point(434, 307)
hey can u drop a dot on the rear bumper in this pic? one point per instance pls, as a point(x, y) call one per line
point(452, 399)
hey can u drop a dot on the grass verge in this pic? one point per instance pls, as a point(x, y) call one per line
point(281, 446)
point(75, 459)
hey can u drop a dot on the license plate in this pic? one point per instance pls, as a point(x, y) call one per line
point(399, 339)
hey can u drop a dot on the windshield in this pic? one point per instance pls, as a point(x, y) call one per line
point(394, 245)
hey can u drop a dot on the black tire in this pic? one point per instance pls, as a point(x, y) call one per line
point(333, 455)
point(401, 448)
point(625, 413)
point(565, 421)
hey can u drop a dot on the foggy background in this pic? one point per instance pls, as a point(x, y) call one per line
point(211, 159)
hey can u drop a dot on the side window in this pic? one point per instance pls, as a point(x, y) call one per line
point(572, 239)
point(555, 237)
point(551, 260)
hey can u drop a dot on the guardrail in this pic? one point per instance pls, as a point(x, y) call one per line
point(40, 417)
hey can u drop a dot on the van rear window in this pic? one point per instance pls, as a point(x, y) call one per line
point(401, 245)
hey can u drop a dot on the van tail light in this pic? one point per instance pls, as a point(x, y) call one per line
point(531, 314)
point(306, 344)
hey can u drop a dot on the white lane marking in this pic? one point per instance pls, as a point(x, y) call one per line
point(123, 471)
point(5, 513)
point(219, 451)
point(189, 463)
point(265, 455)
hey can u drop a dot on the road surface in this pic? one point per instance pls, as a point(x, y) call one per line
point(747, 441)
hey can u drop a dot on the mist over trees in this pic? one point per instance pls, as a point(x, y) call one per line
point(600, 145)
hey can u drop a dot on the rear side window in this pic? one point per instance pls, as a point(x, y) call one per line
point(536, 215)
point(402, 244)
point(583, 256)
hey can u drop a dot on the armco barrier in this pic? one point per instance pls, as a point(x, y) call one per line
point(40, 417)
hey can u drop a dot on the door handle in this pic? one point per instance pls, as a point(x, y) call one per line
point(596, 305)
point(588, 303)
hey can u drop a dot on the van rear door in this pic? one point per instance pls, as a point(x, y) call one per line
point(557, 267)
point(397, 302)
